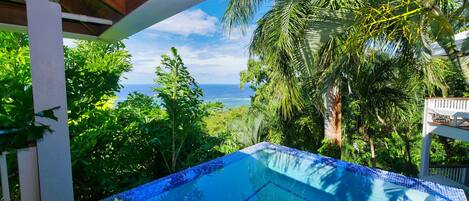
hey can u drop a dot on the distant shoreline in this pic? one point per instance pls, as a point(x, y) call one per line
point(198, 84)
point(229, 94)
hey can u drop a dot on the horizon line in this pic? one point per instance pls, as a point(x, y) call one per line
point(197, 83)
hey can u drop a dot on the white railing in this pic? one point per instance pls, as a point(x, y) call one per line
point(450, 111)
point(4, 177)
point(448, 117)
point(455, 104)
point(455, 173)
point(27, 174)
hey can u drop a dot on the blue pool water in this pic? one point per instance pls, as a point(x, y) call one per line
point(267, 172)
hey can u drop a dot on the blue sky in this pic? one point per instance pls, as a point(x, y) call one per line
point(211, 55)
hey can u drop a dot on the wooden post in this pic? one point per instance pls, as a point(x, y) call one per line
point(426, 143)
point(48, 78)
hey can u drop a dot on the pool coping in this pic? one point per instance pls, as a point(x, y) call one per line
point(154, 188)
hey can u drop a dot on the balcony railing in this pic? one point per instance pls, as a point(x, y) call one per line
point(27, 174)
point(457, 173)
point(449, 111)
point(4, 177)
point(458, 104)
point(448, 117)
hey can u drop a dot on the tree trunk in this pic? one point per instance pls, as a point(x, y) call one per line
point(465, 68)
point(333, 115)
point(173, 144)
point(407, 148)
point(372, 150)
point(173, 148)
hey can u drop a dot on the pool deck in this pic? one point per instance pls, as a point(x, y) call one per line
point(154, 188)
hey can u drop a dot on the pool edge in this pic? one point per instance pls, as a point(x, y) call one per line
point(182, 177)
point(189, 174)
point(440, 191)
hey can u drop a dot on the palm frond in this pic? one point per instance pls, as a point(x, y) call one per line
point(240, 13)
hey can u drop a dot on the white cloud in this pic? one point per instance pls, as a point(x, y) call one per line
point(211, 63)
point(217, 58)
point(189, 22)
point(237, 34)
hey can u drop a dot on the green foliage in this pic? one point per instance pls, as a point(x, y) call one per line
point(143, 138)
point(329, 148)
point(218, 122)
point(412, 23)
point(248, 129)
point(237, 128)
point(302, 130)
point(18, 128)
point(382, 99)
point(455, 81)
point(180, 96)
point(93, 70)
point(115, 148)
point(376, 52)
point(380, 60)
point(126, 146)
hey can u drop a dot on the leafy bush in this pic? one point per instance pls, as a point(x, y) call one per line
point(18, 128)
point(329, 148)
point(144, 137)
point(93, 70)
point(115, 148)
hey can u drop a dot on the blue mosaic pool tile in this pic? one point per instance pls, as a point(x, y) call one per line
point(159, 186)
point(441, 192)
point(152, 189)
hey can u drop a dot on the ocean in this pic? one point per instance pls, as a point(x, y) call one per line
point(229, 94)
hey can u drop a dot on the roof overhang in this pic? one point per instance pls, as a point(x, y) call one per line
point(110, 20)
point(148, 14)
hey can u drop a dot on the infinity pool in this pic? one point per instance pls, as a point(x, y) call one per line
point(268, 172)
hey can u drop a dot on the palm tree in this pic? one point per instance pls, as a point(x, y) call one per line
point(248, 129)
point(375, 91)
point(327, 37)
point(400, 24)
point(287, 42)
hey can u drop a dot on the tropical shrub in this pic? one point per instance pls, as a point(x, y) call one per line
point(18, 128)
point(143, 138)
point(115, 149)
point(93, 70)
point(180, 96)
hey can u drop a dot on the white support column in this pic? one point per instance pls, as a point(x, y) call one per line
point(426, 143)
point(4, 175)
point(48, 77)
point(29, 179)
